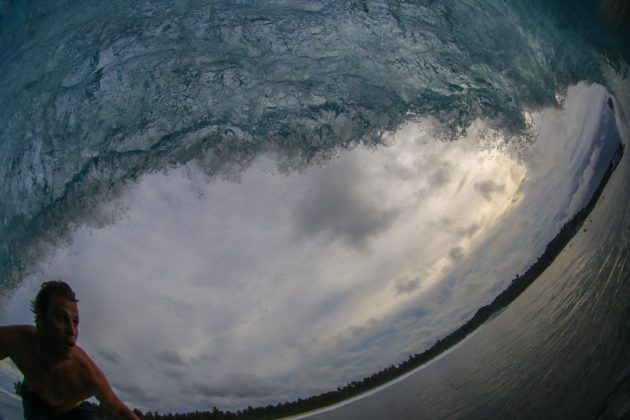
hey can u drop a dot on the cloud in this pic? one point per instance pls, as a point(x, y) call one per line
point(336, 204)
point(441, 176)
point(135, 393)
point(111, 356)
point(240, 386)
point(456, 253)
point(488, 188)
point(170, 357)
point(403, 287)
point(175, 373)
point(469, 231)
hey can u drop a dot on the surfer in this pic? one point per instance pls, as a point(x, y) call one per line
point(58, 375)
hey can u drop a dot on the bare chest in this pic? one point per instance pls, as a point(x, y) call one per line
point(61, 386)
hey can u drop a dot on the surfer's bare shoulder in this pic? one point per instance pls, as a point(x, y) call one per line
point(97, 383)
point(16, 339)
point(92, 376)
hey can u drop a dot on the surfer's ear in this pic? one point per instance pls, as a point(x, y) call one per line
point(40, 318)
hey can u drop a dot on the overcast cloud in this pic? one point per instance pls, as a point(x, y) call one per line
point(227, 294)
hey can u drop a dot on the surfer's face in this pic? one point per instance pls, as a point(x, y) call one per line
point(60, 327)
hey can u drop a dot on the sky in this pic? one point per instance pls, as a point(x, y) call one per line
point(273, 285)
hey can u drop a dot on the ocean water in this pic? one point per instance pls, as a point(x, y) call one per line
point(95, 96)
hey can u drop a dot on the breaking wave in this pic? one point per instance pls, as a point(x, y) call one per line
point(94, 95)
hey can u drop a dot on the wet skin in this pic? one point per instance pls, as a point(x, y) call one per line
point(56, 368)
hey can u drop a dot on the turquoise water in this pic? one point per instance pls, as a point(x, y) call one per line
point(93, 96)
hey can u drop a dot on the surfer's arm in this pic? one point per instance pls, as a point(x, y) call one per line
point(10, 339)
point(106, 395)
point(110, 400)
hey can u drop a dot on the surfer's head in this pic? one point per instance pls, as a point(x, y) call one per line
point(48, 291)
point(57, 318)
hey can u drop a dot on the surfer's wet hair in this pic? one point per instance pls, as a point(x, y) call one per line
point(48, 290)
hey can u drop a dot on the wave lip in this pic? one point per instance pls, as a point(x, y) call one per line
point(92, 98)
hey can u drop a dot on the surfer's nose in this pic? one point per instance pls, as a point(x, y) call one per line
point(71, 329)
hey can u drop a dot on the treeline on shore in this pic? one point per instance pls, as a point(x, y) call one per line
point(354, 388)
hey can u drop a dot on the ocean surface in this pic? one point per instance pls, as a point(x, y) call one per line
point(94, 96)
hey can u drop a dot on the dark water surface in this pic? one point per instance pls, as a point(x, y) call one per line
point(560, 350)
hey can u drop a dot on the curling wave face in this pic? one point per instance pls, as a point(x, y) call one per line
point(92, 96)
